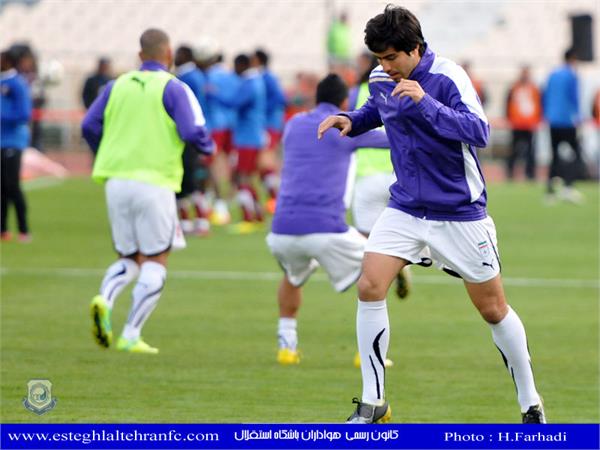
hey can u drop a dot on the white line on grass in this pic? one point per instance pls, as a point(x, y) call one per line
point(275, 276)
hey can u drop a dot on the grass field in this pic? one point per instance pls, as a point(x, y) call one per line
point(216, 326)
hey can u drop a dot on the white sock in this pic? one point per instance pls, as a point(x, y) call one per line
point(145, 297)
point(286, 333)
point(116, 278)
point(373, 334)
point(509, 336)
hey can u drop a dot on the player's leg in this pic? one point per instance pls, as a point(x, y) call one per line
point(247, 197)
point(155, 227)
point(509, 336)
point(121, 272)
point(371, 196)
point(5, 200)
point(146, 294)
point(298, 266)
point(511, 159)
point(19, 201)
point(289, 298)
point(574, 170)
point(268, 169)
point(555, 164)
point(199, 198)
point(471, 249)
point(394, 240)
point(529, 155)
point(221, 171)
point(341, 256)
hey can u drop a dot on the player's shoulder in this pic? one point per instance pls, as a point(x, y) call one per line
point(445, 66)
point(450, 69)
point(378, 75)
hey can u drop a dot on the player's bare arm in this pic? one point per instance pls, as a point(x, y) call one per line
point(342, 123)
point(409, 88)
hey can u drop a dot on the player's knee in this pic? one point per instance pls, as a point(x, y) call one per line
point(370, 289)
point(493, 311)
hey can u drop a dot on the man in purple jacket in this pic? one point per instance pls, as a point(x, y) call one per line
point(309, 227)
point(434, 121)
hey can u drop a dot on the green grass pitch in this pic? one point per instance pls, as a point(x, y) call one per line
point(216, 326)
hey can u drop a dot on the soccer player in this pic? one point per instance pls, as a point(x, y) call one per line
point(195, 171)
point(309, 227)
point(14, 138)
point(275, 107)
point(562, 111)
point(249, 139)
point(139, 126)
point(221, 119)
point(434, 120)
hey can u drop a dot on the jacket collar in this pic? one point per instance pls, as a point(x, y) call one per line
point(152, 65)
point(328, 108)
point(424, 65)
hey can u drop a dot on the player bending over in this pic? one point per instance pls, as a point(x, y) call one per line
point(309, 227)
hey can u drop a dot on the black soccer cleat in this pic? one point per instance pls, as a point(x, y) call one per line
point(366, 413)
point(535, 414)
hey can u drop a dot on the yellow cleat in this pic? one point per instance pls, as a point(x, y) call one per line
point(135, 346)
point(101, 326)
point(388, 362)
point(288, 357)
point(245, 227)
point(220, 219)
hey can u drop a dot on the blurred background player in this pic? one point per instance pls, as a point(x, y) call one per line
point(249, 103)
point(14, 139)
point(96, 82)
point(275, 107)
point(26, 64)
point(222, 83)
point(195, 169)
point(339, 43)
point(309, 227)
point(139, 126)
point(563, 114)
point(374, 174)
point(524, 114)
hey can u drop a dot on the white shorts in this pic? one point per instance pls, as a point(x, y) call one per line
point(143, 217)
point(340, 255)
point(468, 248)
point(371, 196)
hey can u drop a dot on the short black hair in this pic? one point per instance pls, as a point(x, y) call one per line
point(185, 53)
point(262, 56)
point(570, 54)
point(396, 27)
point(242, 60)
point(8, 59)
point(332, 89)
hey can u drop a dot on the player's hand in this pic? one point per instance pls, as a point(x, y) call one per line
point(342, 123)
point(409, 88)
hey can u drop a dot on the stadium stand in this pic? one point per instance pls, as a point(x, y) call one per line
point(496, 37)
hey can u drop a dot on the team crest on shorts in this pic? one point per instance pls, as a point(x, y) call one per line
point(484, 249)
point(39, 397)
